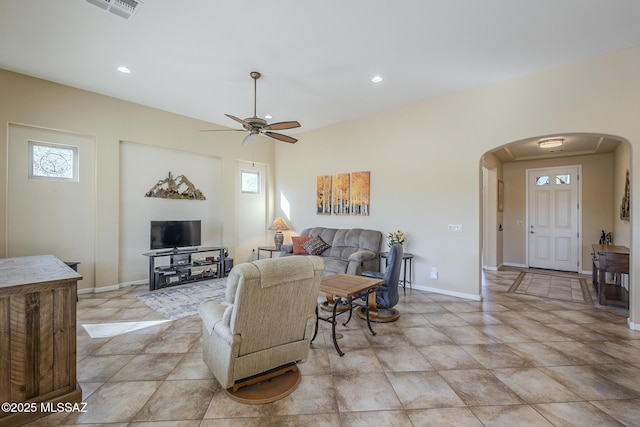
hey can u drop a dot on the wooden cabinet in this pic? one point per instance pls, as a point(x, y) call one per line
point(37, 335)
point(615, 260)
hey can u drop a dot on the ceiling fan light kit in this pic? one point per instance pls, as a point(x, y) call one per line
point(247, 139)
point(258, 126)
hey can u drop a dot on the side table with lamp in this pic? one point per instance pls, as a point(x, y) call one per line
point(270, 249)
point(278, 226)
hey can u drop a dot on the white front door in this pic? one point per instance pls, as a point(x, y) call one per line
point(553, 218)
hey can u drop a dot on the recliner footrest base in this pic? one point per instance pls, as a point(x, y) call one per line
point(266, 387)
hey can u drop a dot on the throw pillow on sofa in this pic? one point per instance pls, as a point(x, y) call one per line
point(316, 246)
point(297, 244)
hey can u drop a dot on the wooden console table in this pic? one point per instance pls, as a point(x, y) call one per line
point(37, 337)
point(610, 259)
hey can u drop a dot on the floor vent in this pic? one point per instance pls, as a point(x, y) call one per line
point(123, 8)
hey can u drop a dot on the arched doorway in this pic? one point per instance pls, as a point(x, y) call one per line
point(604, 160)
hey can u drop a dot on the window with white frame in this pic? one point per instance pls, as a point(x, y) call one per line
point(53, 161)
point(250, 182)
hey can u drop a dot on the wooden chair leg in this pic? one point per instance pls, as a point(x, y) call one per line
point(388, 315)
point(329, 303)
point(373, 307)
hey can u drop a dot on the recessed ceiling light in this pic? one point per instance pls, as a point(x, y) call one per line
point(124, 69)
point(376, 79)
point(268, 117)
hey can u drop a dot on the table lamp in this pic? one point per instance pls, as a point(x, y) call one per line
point(278, 225)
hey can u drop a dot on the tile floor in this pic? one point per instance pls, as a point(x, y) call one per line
point(509, 360)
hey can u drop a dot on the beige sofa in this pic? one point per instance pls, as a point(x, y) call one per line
point(351, 250)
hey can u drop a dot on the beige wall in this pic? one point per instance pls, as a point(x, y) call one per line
point(597, 188)
point(39, 103)
point(138, 173)
point(424, 158)
point(35, 226)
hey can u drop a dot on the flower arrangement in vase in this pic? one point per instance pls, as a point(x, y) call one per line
point(396, 237)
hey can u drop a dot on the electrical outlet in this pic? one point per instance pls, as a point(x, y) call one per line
point(455, 228)
point(434, 273)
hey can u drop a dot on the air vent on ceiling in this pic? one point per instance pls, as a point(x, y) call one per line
point(123, 8)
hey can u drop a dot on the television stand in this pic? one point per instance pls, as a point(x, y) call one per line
point(184, 268)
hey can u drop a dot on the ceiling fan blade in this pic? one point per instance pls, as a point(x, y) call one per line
point(282, 125)
point(223, 130)
point(247, 139)
point(281, 137)
point(242, 122)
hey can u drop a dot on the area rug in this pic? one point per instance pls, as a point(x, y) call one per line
point(183, 301)
point(556, 286)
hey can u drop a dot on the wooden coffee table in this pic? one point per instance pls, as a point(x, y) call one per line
point(350, 288)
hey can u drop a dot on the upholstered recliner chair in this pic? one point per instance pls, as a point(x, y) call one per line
point(387, 296)
point(266, 322)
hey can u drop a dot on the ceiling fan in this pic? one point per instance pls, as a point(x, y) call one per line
point(256, 125)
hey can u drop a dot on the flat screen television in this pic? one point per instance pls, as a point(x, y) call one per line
point(175, 234)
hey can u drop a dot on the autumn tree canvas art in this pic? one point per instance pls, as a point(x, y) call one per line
point(360, 193)
point(343, 194)
point(323, 195)
point(340, 197)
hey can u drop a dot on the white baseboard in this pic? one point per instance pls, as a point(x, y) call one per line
point(633, 326)
point(484, 267)
point(106, 289)
point(112, 287)
point(134, 283)
point(449, 293)
point(513, 264)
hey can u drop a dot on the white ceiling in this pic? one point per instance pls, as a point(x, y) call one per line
point(317, 57)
